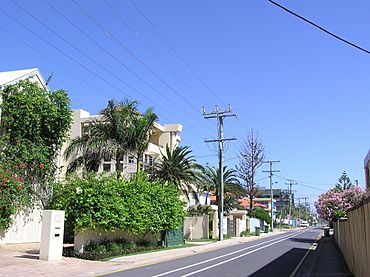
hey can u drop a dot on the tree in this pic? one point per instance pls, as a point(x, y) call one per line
point(343, 182)
point(251, 157)
point(34, 125)
point(178, 167)
point(334, 204)
point(120, 129)
point(231, 183)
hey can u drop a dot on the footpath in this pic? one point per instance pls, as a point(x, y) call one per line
point(325, 260)
point(23, 260)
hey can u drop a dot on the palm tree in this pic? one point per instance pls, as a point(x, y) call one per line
point(231, 183)
point(178, 167)
point(141, 131)
point(120, 129)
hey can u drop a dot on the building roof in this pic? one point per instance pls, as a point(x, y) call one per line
point(245, 202)
point(11, 77)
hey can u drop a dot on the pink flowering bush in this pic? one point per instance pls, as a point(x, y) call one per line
point(333, 205)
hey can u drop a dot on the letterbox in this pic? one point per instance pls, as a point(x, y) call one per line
point(51, 246)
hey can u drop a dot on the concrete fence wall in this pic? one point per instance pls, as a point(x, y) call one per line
point(196, 227)
point(26, 228)
point(353, 238)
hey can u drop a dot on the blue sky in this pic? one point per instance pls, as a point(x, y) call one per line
point(306, 93)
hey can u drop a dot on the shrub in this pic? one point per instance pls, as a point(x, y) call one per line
point(107, 249)
point(260, 214)
point(137, 205)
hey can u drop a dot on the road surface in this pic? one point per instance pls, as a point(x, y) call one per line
point(272, 256)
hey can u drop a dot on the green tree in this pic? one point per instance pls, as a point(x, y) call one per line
point(260, 214)
point(251, 157)
point(343, 182)
point(119, 129)
point(231, 182)
point(178, 166)
point(34, 125)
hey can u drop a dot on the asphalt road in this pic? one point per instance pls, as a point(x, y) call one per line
point(271, 256)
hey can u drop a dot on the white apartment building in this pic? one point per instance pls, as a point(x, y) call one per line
point(168, 134)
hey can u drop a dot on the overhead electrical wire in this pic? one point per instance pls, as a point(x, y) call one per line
point(68, 56)
point(153, 51)
point(115, 58)
point(123, 46)
point(320, 28)
point(166, 41)
point(106, 51)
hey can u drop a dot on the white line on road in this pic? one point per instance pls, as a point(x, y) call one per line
point(237, 257)
point(225, 255)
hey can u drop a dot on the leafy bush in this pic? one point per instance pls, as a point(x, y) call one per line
point(244, 233)
point(137, 205)
point(33, 126)
point(260, 214)
point(107, 249)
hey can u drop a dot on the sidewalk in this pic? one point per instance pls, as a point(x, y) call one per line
point(22, 259)
point(326, 260)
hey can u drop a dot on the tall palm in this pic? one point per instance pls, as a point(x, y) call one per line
point(112, 135)
point(142, 128)
point(178, 167)
point(231, 183)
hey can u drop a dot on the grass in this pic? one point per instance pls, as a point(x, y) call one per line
point(201, 240)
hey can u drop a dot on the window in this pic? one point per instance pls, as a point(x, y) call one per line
point(130, 159)
point(106, 167)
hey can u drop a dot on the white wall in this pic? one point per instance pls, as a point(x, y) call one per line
point(25, 229)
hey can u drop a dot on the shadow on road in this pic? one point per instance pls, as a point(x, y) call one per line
point(303, 240)
point(282, 266)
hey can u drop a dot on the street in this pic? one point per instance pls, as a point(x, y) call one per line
point(272, 256)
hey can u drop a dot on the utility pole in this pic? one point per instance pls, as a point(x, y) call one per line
point(270, 171)
point(291, 183)
point(220, 115)
point(305, 206)
point(299, 208)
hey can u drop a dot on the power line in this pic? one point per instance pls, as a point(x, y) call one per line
point(66, 55)
point(123, 46)
point(166, 41)
point(320, 28)
point(300, 183)
point(115, 58)
point(175, 51)
point(152, 50)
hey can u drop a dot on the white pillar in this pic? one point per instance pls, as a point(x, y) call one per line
point(52, 231)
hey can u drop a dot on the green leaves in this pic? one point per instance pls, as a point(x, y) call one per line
point(34, 124)
point(108, 203)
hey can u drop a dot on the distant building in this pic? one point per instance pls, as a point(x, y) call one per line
point(267, 203)
point(279, 195)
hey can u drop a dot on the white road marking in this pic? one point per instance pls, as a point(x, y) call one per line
point(225, 255)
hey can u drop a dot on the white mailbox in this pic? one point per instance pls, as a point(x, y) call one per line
point(51, 246)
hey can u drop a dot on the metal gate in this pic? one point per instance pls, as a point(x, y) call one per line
point(231, 227)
